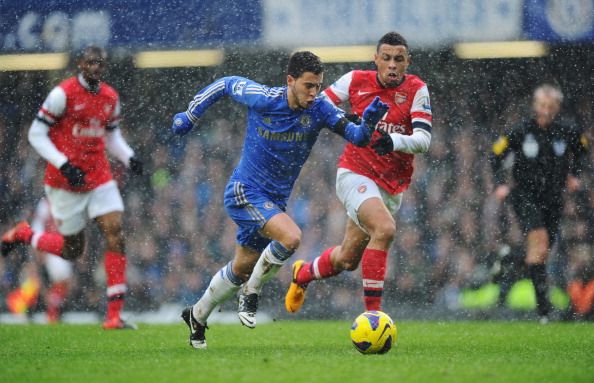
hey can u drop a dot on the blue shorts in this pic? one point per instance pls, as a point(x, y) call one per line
point(250, 209)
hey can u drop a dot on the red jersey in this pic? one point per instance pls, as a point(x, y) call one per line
point(77, 128)
point(408, 102)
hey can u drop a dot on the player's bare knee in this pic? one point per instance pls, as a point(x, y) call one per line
point(292, 241)
point(114, 237)
point(384, 232)
point(113, 230)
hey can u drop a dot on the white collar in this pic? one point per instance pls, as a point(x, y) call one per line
point(86, 85)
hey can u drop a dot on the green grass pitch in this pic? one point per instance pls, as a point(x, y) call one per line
point(299, 351)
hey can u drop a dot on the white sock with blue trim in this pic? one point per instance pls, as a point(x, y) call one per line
point(223, 285)
point(272, 258)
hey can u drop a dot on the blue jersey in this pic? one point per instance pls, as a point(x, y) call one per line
point(278, 139)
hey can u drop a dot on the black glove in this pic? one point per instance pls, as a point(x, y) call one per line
point(136, 166)
point(352, 117)
point(74, 174)
point(383, 144)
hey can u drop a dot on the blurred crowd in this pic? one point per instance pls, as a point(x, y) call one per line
point(452, 234)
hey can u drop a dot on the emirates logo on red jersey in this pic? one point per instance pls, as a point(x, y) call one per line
point(400, 98)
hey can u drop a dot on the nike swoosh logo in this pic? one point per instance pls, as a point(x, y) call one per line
point(245, 320)
point(362, 93)
point(386, 327)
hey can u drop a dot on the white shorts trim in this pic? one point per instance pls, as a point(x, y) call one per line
point(353, 189)
point(71, 210)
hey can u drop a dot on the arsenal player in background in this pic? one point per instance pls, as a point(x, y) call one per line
point(78, 120)
point(371, 180)
point(59, 271)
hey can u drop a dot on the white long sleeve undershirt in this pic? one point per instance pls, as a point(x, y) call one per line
point(118, 147)
point(39, 139)
point(416, 143)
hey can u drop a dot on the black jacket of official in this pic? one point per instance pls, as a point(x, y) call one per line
point(543, 158)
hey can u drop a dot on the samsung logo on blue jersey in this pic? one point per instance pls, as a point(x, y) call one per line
point(281, 136)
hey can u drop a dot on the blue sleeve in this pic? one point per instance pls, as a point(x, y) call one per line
point(240, 89)
point(336, 121)
point(333, 116)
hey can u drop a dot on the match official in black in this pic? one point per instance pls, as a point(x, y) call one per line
point(548, 158)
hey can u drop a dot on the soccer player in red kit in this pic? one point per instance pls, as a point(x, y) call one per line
point(59, 271)
point(370, 180)
point(78, 120)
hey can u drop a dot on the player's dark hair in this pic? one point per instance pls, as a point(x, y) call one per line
point(80, 54)
point(392, 38)
point(304, 61)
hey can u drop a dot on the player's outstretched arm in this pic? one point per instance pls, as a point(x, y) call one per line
point(416, 143)
point(360, 134)
point(185, 121)
point(240, 89)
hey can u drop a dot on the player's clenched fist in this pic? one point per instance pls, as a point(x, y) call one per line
point(74, 174)
point(383, 144)
point(181, 124)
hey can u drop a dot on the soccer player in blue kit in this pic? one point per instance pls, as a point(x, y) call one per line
point(282, 126)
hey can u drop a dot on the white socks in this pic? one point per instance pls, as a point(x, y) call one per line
point(273, 257)
point(223, 285)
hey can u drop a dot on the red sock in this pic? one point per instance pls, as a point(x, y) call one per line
point(115, 270)
point(48, 242)
point(54, 300)
point(373, 271)
point(319, 268)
